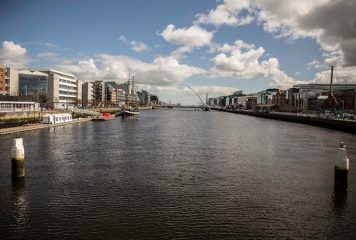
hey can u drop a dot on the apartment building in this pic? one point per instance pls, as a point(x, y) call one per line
point(62, 89)
point(88, 94)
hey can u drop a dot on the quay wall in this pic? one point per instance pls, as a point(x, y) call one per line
point(19, 116)
point(347, 126)
point(36, 126)
point(14, 119)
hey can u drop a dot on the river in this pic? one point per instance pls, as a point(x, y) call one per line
point(178, 174)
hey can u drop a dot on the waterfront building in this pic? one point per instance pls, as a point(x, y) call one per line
point(221, 101)
point(4, 80)
point(79, 93)
point(87, 94)
point(212, 102)
point(238, 93)
point(346, 101)
point(62, 89)
point(99, 93)
point(242, 102)
point(57, 118)
point(120, 97)
point(279, 99)
point(8, 81)
point(33, 84)
point(110, 94)
point(18, 104)
point(303, 92)
point(154, 99)
point(144, 97)
point(251, 103)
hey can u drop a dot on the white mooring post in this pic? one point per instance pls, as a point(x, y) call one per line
point(18, 158)
point(341, 168)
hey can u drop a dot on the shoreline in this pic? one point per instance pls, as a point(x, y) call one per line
point(36, 126)
point(341, 125)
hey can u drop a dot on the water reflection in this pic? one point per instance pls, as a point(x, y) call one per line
point(20, 203)
point(339, 202)
point(174, 174)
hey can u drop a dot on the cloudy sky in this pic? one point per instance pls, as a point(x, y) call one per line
point(214, 46)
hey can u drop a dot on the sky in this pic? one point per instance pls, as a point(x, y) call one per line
point(216, 47)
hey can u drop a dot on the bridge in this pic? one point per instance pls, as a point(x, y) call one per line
point(204, 106)
point(182, 106)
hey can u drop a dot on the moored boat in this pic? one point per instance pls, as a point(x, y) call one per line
point(129, 112)
point(103, 117)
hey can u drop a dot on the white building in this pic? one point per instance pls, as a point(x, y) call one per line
point(8, 106)
point(57, 118)
point(79, 93)
point(87, 94)
point(62, 89)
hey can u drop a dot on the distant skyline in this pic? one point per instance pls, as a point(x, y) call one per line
point(217, 47)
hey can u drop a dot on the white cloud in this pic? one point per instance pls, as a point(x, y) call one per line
point(162, 71)
point(212, 90)
point(84, 69)
point(13, 55)
point(342, 75)
point(186, 38)
point(315, 64)
point(243, 60)
point(227, 13)
point(330, 23)
point(238, 60)
point(136, 46)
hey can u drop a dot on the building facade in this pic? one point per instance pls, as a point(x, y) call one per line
point(62, 89)
point(33, 84)
point(4, 80)
point(99, 93)
point(87, 94)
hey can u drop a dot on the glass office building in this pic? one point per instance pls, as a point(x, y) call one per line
point(33, 84)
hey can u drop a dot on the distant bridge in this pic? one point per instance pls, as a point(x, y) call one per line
point(180, 106)
point(205, 106)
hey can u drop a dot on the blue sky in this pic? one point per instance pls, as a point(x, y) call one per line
point(277, 47)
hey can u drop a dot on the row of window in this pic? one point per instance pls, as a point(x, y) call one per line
point(16, 106)
point(67, 87)
point(63, 118)
point(67, 93)
point(67, 98)
point(66, 81)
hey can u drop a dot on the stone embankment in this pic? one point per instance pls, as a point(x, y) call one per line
point(35, 126)
point(342, 125)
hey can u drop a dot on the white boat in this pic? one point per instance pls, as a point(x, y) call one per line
point(128, 112)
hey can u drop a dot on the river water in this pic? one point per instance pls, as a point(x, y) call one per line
point(178, 174)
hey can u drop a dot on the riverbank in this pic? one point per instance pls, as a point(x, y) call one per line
point(35, 126)
point(341, 125)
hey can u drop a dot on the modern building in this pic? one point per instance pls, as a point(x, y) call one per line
point(4, 80)
point(99, 93)
point(62, 89)
point(110, 94)
point(87, 94)
point(212, 102)
point(144, 97)
point(18, 104)
point(154, 99)
point(33, 84)
point(120, 97)
point(9, 81)
point(305, 94)
point(79, 93)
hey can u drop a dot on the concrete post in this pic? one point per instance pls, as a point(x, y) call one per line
point(341, 168)
point(18, 158)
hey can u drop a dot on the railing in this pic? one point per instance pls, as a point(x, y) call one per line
point(85, 111)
